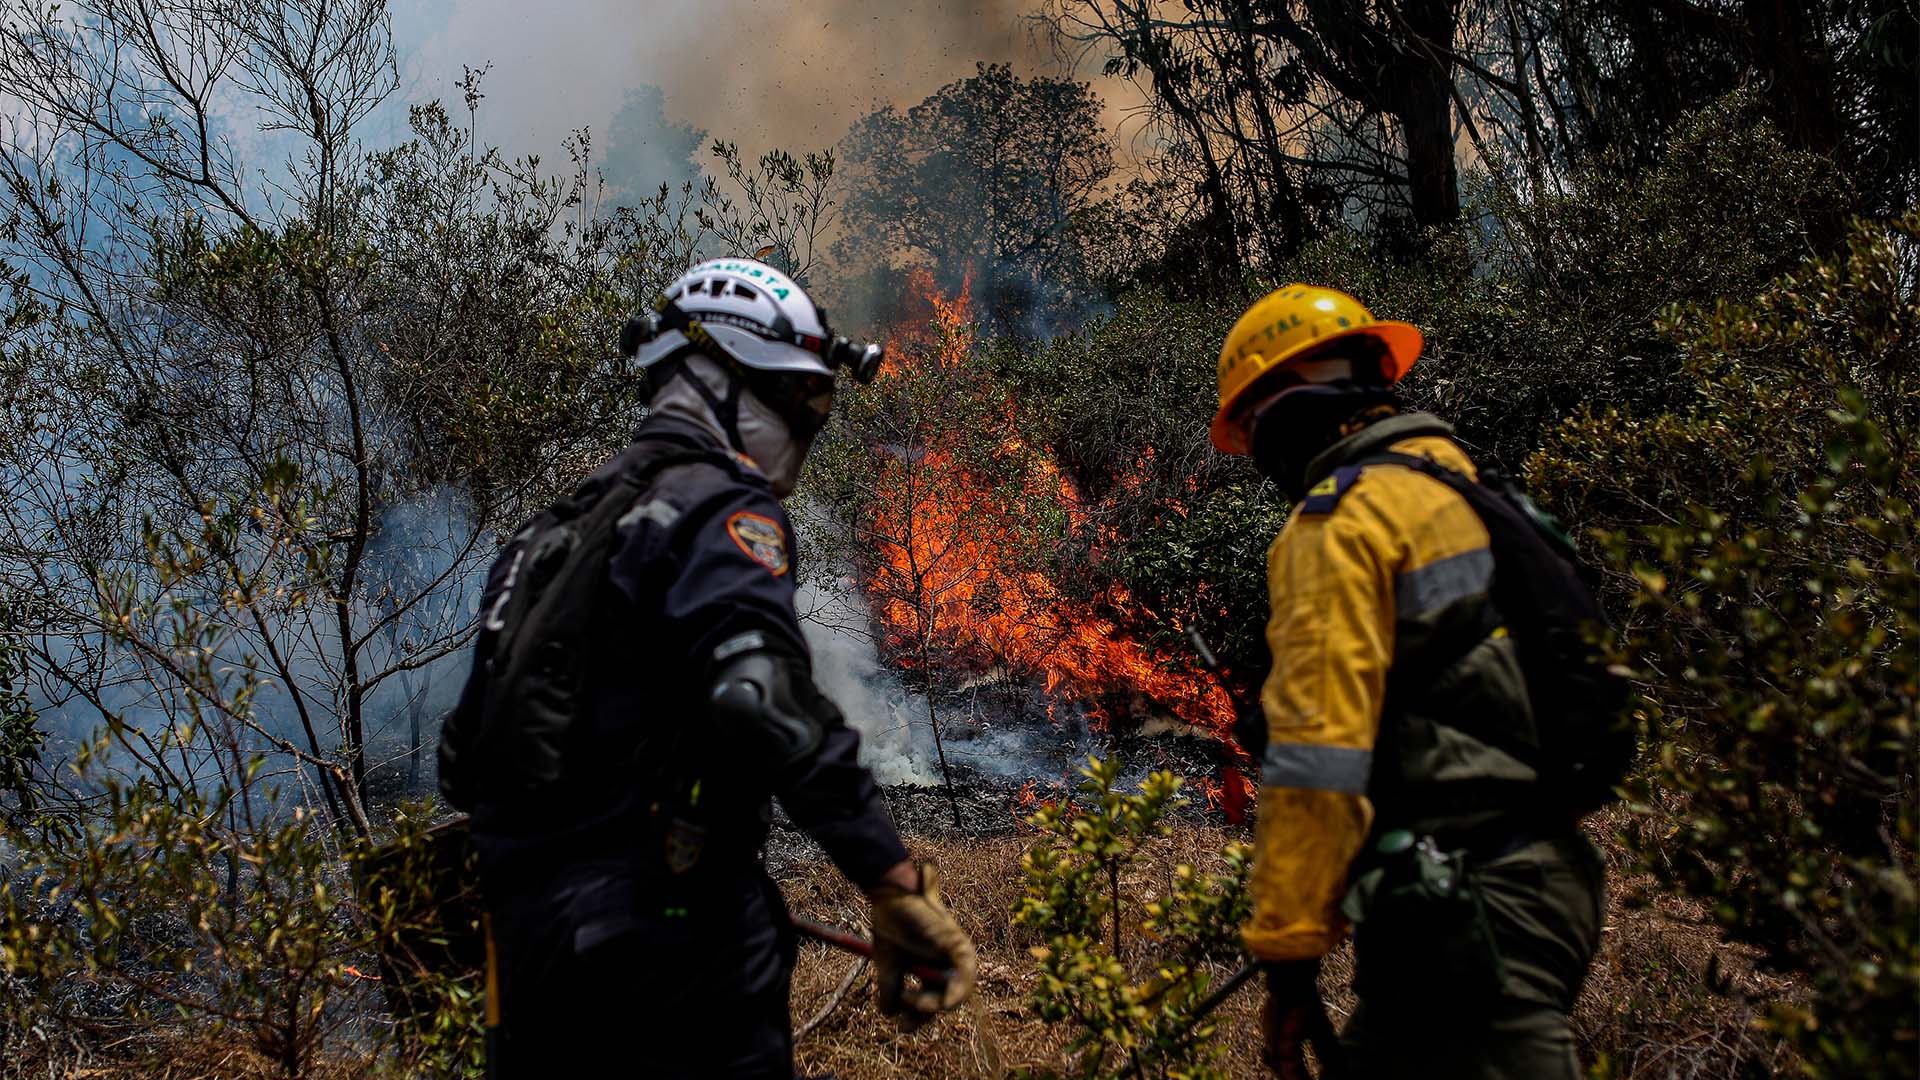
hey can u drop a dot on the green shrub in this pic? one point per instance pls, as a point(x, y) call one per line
point(21, 736)
point(1774, 617)
point(419, 895)
point(1130, 1015)
point(176, 881)
point(208, 904)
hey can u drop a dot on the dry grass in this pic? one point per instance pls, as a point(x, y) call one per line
point(1666, 997)
point(1665, 1000)
point(1648, 1010)
point(163, 1055)
point(981, 882)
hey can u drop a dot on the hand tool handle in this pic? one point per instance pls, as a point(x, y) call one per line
point(1325, 1043)
point(1207, 659)
point(1234, 982)
point(933, 977)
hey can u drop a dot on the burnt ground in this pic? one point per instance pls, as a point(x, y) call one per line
point(992, 805)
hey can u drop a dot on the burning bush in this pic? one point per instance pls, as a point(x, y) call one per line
point(968, 535)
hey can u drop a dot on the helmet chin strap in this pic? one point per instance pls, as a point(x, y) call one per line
point(725, 409)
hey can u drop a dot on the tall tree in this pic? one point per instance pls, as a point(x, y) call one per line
point(318, 379)
point(983, 178)
point(1292, 110)
point(1286, 115)
point(645, 149)
point(245, 367)
point(1839, 78)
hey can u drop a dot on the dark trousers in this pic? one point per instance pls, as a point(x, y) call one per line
point(1545, 902)
point(596, 983)
point(1516, 1040)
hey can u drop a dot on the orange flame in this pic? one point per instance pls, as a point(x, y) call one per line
point(1231, 793)
point(956, 572)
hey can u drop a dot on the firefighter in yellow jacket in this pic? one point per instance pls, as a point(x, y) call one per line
point(1393, 798)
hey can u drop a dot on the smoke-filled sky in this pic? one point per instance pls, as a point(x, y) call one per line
point(760, 72)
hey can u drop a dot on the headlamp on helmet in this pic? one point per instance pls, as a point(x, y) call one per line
point(861, 360)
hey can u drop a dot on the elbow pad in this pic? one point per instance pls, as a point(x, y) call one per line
point(755, 707)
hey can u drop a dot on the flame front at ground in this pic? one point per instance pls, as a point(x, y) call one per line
point(960, 508)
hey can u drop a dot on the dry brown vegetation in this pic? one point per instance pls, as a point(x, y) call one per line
point(160, 1055)
point(1665, 1000)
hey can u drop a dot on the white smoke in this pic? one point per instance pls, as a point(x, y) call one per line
point(427, 566)
point(847, 668)
point(418, 590)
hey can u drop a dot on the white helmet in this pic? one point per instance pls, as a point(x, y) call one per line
point(753, 315)
point(754, 312)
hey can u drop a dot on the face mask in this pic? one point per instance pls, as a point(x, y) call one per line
point(705, 394)
point(1295, 427)
point(767, 439)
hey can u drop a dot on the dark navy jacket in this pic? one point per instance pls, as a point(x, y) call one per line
point(705, 554)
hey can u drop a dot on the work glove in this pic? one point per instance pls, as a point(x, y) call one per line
point(914, 928)
point(1295, 1016)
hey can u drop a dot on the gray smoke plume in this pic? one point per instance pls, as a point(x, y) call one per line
point(644, 149)
point(762, 75)
point(421, 580)
point(847, 668)
point(429, 556)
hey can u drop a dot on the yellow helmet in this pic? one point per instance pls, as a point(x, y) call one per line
point(1279, 330)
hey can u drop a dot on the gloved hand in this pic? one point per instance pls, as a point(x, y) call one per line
point(1295, 1016)
point(912, 928)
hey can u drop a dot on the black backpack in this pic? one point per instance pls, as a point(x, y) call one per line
point(1579, 703)
point(507, 739)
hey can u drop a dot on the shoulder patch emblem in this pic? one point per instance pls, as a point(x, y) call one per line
point(1325, 495)
point(761, 538)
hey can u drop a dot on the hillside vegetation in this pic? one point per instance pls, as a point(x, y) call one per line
point(263, 421)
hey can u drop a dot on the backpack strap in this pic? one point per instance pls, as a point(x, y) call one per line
point(638, 475)
point(1324, 496)
point(1411, 677)
point(1540, 593)
point(1453, 478)
point(499, 717)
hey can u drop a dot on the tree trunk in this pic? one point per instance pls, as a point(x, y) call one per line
point(416, 706)
point(1432, 181)
point(939, 746)
point(1425, 112)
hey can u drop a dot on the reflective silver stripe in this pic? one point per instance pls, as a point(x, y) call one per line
point(659, 511)
point(495, 620)
point(1317, 768)
point(1440, 584)
point(738, 644)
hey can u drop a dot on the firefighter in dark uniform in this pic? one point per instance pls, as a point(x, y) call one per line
point(636, 932)
point(1380, 763)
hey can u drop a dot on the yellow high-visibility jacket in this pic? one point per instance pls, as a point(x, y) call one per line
point(1377, 565)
